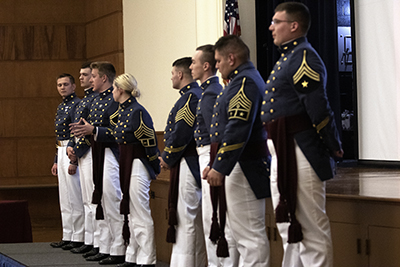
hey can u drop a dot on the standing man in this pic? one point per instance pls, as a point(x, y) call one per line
point(72, 213)
point(203, 69)
point(101, 122)
point(238, 146)
point(181, 158)
point(79, 150)
point(302, 140)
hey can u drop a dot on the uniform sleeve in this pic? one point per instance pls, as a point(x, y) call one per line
point(208, 102)
point(309, 81)
point(242, 110)
point(181, 132)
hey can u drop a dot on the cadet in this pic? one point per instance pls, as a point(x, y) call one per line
point(302, 139)
point(238, 151)
point(181, 157)
point(72, 212)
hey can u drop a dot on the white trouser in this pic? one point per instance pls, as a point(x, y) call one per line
point(189, 249)
point(111, 200)
point(207, 209)
point(71, 206)
point(142, 246)
point(246, 219)
point(316, 247)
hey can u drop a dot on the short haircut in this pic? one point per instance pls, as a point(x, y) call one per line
point(297, 12)
point(105, 68)
point(86, 65)
point(233, 44)
point(127, 83)
point(208, 56)
point(184, 64)
point(66, 75)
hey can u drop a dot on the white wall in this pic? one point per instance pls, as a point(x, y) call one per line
point(378, 80)
point(157, 32)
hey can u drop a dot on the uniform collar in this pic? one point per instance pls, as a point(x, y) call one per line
point(128, 102)
point(239, 69)
point(69, 98)
point(213, 79)
point(88, 91)
point(292, 44)
point(106, 92)
point(188, 87)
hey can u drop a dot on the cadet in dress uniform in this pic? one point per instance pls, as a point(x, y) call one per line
point(139, 164)
point(302, 133)
point(101, 122)
point(239, 160)
point(79, 149)
point(181, 157)
point(203, 69)
point(72, 213)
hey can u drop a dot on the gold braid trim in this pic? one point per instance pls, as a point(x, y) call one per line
point(144, 134)
point(174, 150)
point(240, 105)
point(304, 69)
point(322, 124)
point(186, 114)
point(224, 149)
point(113, 116)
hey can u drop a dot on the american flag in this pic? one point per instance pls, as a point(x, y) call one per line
point(231, 22)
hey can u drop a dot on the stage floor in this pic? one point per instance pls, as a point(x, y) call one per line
point(42, 254)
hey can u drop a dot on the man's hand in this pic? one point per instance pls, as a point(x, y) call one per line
point(338, 154)
point(54, 169)
point(71, 154)
point(205, 172)
point(81, 128)
point(72, 169)
point(163, 165)
point(215, 178)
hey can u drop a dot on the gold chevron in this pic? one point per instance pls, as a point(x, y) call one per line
point(224, 149)
point(240, 105)
point(186, 114)
point(114, 116)
point(304, 69)
point(144, 134)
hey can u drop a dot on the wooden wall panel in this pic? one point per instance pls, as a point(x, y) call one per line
point(99, 8)
point(35, 156)
point(104, 36)
point(7, 118)
point(8, 159)
point(34, 42)
point(42, 11)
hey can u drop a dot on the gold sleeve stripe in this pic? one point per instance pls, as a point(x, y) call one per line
point(224, 149)
point(87, 142)
point(145, 134)
point(322, 124)
point(240, 105)
point(153, 157)
point(174, 150)
point(305, 70)
point(112, 117)
point(185, 114)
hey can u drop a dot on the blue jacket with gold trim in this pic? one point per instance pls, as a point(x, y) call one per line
point(82, 111)
point(236, 125)
point(103, 115)
point(295, 86)
point(211, 89)
point(64, 116)
point(136, 126)
point(180, 129)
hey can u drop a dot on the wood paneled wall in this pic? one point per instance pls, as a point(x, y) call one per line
point(38, 41)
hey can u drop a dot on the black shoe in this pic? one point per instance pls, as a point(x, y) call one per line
point(98, 257)
point(59, 244)
point(127, 264)
point(113, 260)
point(92, 252)
point(82, 249)
point(72, 245)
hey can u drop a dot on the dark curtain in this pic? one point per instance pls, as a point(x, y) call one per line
point(322, 36)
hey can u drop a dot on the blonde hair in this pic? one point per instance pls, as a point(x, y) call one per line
point(127, 83)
